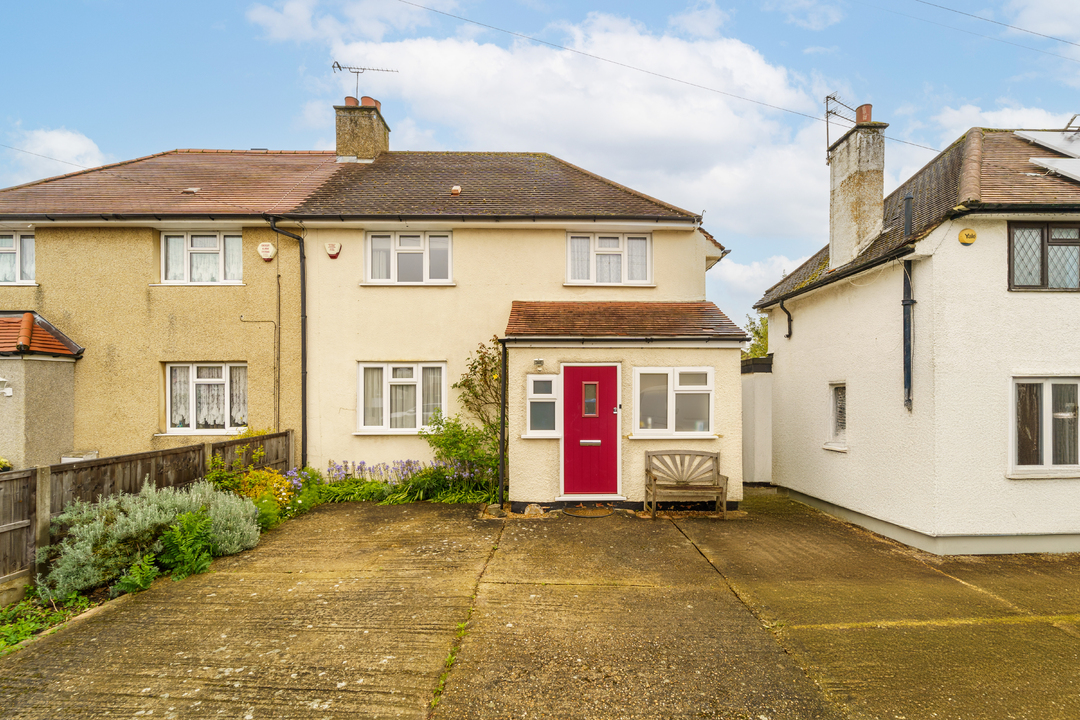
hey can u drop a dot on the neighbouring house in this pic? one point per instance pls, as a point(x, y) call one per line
point(390, 269)
point(37, 390)
point(924, 374)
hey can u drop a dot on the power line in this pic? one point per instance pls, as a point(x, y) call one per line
point(996, 22)
point(640, 69)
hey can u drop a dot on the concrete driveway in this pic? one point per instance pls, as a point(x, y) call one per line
point(355, 610)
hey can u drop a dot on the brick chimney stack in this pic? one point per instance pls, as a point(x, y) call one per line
point(362, 133)
point(856, 188)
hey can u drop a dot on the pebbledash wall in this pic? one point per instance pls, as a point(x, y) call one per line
point(349, 323)
point(536, 463)
point(938, 477)
point(102, 287)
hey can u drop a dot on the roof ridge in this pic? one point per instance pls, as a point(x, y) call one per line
point(622, 187)
point(84, 171)
point(970, 190)
point(221, 151)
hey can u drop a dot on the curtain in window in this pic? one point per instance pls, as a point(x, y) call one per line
point(7, 267)
point(234, 266)
point(637, 259)
point(380, 258)
point(403, 406)
point(432, 392)
point(210, 406)
point(579, 258)
point(373, 397)
point(1028, 432)
point(1027, 256)
point(840, 413)
point(609, 268)
point(653, 401)
point(237, 396)
point(179, 399)
point(438, 258)
point(174, 257)
point(1064, 418)
point(204, 267)
point(26, 257)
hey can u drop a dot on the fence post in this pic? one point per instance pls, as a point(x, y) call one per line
point(208, 452)
point(42, 514)
point(291, 462)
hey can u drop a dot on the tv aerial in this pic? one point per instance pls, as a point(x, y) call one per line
point(834, 108)
point(357, 71)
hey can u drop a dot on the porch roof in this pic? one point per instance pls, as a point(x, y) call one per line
point(44, 338)
point(691, 320)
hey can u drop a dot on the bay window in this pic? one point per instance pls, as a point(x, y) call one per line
point(408, 258)
point(206, 398)
point(673, 401)
point(201, 258)
point(608, 259)
point(399, 398)
point(16, 258)
point(1045, 425)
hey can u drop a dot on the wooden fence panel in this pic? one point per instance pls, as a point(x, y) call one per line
point(18, 501)
point(276, 446)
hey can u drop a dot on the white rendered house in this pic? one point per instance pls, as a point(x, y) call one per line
point(926, 363)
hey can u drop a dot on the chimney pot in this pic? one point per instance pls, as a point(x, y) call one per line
point(350, 101)
point(863, 114)
point(456, 190)
point(371, 102)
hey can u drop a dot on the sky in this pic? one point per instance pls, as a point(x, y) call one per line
point(712, 106)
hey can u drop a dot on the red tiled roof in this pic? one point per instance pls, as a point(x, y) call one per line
point(698, 320)
point(44, 339)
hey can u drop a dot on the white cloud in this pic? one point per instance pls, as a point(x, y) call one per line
point(701, 19)
point(809, 14)
point(954, 122)
point(54, 152)
point(300, 20)
point(1057, 18)
point(735, 287)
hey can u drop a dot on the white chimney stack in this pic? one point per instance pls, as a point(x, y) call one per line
point(856, 188)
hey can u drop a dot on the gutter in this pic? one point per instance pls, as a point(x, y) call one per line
point(330, 217)
point(303, 337)
point(623, 338)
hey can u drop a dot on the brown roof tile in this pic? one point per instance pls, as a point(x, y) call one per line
point(702, 320)
point(44, 340)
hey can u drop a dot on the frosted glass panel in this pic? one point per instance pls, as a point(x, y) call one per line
point(691, 412)
point(439, 258)
point(541, 415)
point(653, 401)
point(542, 387)
point(410, 267)
point(608, 243)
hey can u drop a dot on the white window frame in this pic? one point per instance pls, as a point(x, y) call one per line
point(17, 250)
point(226, 380)
point(189, 251)
point(554, 396)
point(396, 247)
point(674, 389)
point(387, 381)
point(836, 441)
point(1046, 469)
point(622, 249)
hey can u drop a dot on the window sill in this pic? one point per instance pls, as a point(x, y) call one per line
point(540, 437)
point(217, 284)
point(404, 284)
point(407, 432)
point(831, 447)
point(675, 436)
point(197, 433)
point(1069, 474)
point(21, 283)
point(609, 285)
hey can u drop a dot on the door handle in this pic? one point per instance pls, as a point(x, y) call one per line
point(590, 442)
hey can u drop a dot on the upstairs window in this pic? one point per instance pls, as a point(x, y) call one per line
point(1045, 425)
point(16, 258)
point(200, 258)
point(1044, 256)
point(406, 258)
point(608, 259)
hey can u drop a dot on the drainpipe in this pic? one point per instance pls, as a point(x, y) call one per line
point(908, 302)
point(303, 338)
point(502, 421)
point(788, 318)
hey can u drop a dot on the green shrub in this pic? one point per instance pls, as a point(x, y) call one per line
point(269, 516)
point(186, 546)
point(140, 576)
point(472, 450)
point(354, 490)
point(105, 539)
point(34, 614)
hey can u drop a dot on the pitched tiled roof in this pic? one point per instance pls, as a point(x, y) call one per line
point(699, 320)
point(983, 171)
point(44, 338)
point(492, 184)
point(313, 184)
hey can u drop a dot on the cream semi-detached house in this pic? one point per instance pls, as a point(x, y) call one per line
point(926, 363)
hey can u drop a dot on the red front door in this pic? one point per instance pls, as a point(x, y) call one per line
point(591, 430)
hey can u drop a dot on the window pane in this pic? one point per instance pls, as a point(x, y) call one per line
point(579, 258)
point(7, 242)
point(439, 258)
point(1065, 233)
point(541, 415)
point(432, 382)
point(1028, 418)
point(410, 267)
point(205, 242)
point(179, 397)
point(653, 401)
point(608, 243)
point(402, 406)
point(1064, 410)
point(204, 267)
point(402, 373)
point(691, 412)
point(237, 396)
point(380, 258)
point(26, 256)
point(839, 413)
point(174, 257)
point(234, 267)
point(637, 259)
point(542, 387)
point(693, 379)
point(210, 406)
point(209, 372)
point(1063, 266)
point(1027, 256)
point(373, 397)
point(588, 400)
point(7, 267)
point(609, 268)
point(409, 241)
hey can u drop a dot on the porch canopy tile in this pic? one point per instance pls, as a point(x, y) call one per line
point(690, 320)
point(44, 338)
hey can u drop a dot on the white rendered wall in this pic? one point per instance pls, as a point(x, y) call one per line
point(757, 427)
point(535, 464)
point(348, 323)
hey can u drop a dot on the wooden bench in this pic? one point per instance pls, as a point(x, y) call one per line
point(682, 473)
